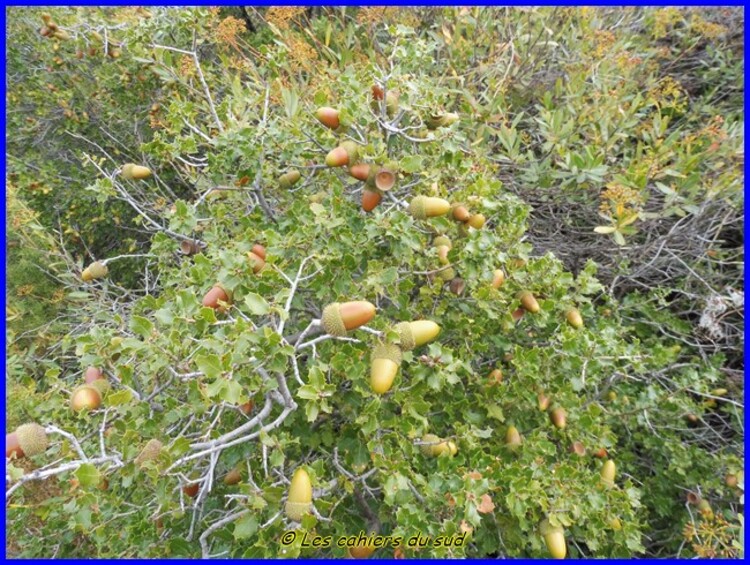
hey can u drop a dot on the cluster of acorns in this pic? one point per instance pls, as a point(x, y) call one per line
point(89, 396)
point(219, 297)
point(51, 30)
point(340, 317)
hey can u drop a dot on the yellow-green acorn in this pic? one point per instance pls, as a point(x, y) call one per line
point(528, 302)
point(422, 207)
point(554, 537)
point(558, 417)
point(608, 472)
point(498, 278)
point(135, 172)
point(447, 274)
point(86, 398)
point(513, 438)
point(96, 270)
point(340, 317)
point(477, 221)
point(32, 439)
point(417, 333)
point(574, 318)
point(441, 120)
point(289, 179)
point(442, 241)
point(299, 501)
point(149, 453)
point(386, 360)
point(434, 446)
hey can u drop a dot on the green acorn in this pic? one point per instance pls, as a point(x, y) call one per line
point(386, 360)
point(422, 207)
point(289, 179)
point(413, 334)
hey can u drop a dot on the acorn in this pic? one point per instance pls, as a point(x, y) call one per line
point(256, 262)
point(457, 286)
point(191, 490)
point(441, 241)
point(574, 318)
point(95, 270)
point(360, 171)
point(85, 397)
point(554, 537)
point(135, 172)
point(370, 199)
point(44, 31)
point(460, 213)
point(498, 278)
point(259, 250)
point(60, 34)
point(436, 447)
point(704, 507)
point(386, 360)
point(391, 103)
point(513, 438)
point(422, 207)
point(329, 117)
point(517, 314)
point(362, 551)
point(435, 121)
point(385, 179)
point(216, 296)
point(557, 417)
point(289, 179)
point(447, 274)
point(299, 500)
point(528, 302)
point(542, 401)
point(91, 374)
point(232, 477)
point(731, 480)
point(149, 453)
point(496, 376)
point(247, 407)
point(477, 221)
point(377, 92)
point(608, 472)
point(26, 441)
point(600, 453)
point(338, 318)
point(342, 155)
point(443, 254)
point(578, 448)
point(417, 333)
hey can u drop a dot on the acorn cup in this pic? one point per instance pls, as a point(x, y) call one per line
point(385, 179)
point(345, 154)
point(329, 117)
point(150, 452)
point(86, 398)
point(340, 317)
point(577, 448)
point(554, 537)
point(422, 207)
point(135, 172)
point(513, 438)
point(190, 247)
point(417, 333)
point(218, 298)
point(498, 278)
point(574, 318)
point(370, 199)
point(386, 360)
point(289, 179)
point(447, 274)
point(95, 270)
point(299, 501)
point(457, 286)
point(360, 171)
point(435, 447)
point(441, 120)
point(26, 441)
point(528, 302)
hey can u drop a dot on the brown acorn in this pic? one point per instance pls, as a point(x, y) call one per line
point(216, 295)
point(528, 302)
point(731, 480)
point(370, 199)
point(190, 247)
point(232, 477)
point(85, 398)
point(460, 213)
point(558, 417)
point(496, 376)
point(91, 374)
point(338, 318)
point(600, 453)
point(247, 407)
point(329, 117)
point(377, 92)
point(518, 313)
point(498, 278)
point(191, 490)
point(289, 179)
point(256, 262)
point(360, 171)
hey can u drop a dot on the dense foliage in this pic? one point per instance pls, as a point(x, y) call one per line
point(603, 147)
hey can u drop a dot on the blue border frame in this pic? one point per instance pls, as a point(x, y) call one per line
point(35, 3)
